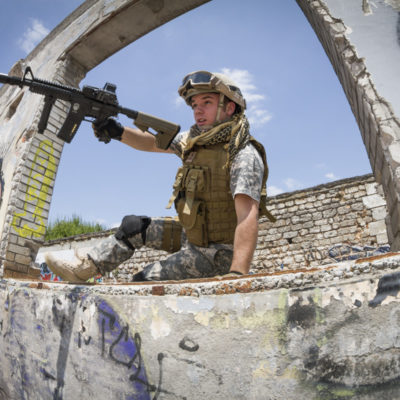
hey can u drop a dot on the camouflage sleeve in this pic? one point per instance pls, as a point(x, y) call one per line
point(247, 172)
point(176, 146)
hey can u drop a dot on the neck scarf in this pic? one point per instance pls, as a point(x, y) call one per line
point(235, 133)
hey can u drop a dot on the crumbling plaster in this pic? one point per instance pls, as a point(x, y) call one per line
point(312, 334)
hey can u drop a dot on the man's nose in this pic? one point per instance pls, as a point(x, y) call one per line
point(199, 110)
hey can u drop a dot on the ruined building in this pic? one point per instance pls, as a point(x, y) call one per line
point(317, 319)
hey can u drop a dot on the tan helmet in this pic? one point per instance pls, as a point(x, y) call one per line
point(210, 82)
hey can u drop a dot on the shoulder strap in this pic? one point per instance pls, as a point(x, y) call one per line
point(263, 200)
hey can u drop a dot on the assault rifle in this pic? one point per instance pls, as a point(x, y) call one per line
point(91, 102)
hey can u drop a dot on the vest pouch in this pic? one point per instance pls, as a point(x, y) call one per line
point(195, 180)
point(178, 185)
point(194, 183)
point(194, 223)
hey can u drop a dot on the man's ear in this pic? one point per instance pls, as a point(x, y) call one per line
point(230, 108)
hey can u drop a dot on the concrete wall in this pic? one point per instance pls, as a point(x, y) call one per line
point(316, 226)
point(327, 333)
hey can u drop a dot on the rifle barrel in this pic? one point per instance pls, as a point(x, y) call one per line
point(12, 80)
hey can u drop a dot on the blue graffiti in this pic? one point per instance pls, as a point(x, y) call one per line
point(47, 275)
point(342, 252)
point(125, 349)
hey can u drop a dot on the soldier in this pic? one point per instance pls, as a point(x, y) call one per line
point(219, 194)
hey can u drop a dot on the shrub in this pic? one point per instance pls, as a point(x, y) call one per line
point(67, 227)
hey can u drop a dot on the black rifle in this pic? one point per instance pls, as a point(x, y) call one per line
point(92, 102)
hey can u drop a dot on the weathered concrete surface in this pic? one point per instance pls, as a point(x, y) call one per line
point(327, 333)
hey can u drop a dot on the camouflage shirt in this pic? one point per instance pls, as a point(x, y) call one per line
point(247, 169)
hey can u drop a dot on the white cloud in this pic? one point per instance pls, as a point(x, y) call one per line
point(179, 101)
point(332, 176)
point(256, 113)
point(244, 80)
point(257, 116)
point(292, 184)
point(274, 190)
point(32, 36)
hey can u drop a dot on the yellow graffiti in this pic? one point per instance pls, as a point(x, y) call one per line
point(36, 195)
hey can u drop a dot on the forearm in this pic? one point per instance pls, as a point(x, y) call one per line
point(246, 234)
point(140, 140)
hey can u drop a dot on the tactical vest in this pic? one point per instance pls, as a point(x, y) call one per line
point(202, 195)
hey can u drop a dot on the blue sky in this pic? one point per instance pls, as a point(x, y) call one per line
point(296, 105)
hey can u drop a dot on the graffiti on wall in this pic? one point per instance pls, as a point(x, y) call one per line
point(337, 253)
point(82, 332)
point(343, 252)
point(48, 275)
point(40, 180)
point(122, 347)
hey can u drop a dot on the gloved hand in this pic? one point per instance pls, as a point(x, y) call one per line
point(231, 274)
point(107, 129)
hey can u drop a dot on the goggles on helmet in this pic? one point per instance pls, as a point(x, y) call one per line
point(204, 81)
point(198, 77)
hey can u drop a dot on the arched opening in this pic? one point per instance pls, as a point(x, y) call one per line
point(296, 106)
point(85, 54)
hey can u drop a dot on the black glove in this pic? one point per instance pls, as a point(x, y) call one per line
point(107, 129)
point(132, 225)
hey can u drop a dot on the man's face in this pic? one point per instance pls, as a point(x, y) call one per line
point(205, 108)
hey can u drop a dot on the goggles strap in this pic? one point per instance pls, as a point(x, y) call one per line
point(220, 106)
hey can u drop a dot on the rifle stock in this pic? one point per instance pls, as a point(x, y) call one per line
point(166, 130)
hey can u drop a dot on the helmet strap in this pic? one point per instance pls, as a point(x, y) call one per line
point(220, 106)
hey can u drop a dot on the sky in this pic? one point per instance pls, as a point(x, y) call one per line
point(296, 106)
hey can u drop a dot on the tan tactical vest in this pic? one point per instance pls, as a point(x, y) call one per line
point(203, 198)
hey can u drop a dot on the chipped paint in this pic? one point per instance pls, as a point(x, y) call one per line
point(159, 326)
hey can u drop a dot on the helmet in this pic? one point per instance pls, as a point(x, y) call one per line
point(210, 82)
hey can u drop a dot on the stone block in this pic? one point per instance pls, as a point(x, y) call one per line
point(379, 213)
point(382, 239)
point(21, 259)
point(19, 249)
point(373, 201)
point(394, 153)
point(371, 188)
point(10, 256)
point(18, 271)
point(377, 227)
point(329, 213)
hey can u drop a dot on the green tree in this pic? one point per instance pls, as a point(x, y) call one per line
point(72, 226)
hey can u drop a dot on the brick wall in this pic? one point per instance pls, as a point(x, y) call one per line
point(32, 186)
point(324, 224)
point(316, 226)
